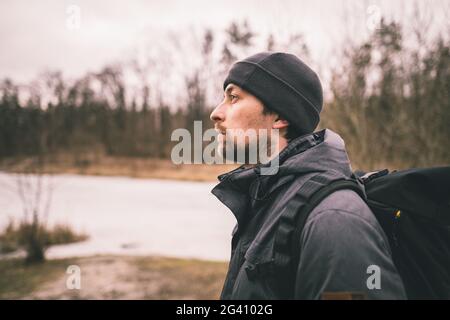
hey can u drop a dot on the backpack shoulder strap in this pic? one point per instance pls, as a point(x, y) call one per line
point(304, 212)
point(308, 196)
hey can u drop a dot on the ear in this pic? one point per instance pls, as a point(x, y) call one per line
point(280, 123)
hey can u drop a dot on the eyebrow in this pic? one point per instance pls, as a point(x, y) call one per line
point(229, 89)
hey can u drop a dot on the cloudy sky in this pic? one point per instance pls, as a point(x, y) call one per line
point(40, 35)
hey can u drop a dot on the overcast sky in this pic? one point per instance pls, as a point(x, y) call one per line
point(35, 35)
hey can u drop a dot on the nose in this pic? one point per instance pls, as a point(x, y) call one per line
point(218, 114)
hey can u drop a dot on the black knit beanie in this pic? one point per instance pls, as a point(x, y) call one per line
point(284, 84)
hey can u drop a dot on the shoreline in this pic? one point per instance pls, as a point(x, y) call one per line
point(146, 168)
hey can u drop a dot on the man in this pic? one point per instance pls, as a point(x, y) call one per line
point(341, 239)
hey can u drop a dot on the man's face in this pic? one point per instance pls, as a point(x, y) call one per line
point(240, 110)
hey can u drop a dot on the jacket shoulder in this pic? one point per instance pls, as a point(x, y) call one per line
point(345, 201)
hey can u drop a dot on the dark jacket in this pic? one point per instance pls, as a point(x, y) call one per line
point(340, 240)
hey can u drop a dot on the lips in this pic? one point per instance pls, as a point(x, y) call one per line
point(220, 131)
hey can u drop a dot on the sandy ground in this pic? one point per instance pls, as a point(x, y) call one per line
point(119, 277)
point(101, 278)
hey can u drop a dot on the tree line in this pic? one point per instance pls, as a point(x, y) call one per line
point(389, 101)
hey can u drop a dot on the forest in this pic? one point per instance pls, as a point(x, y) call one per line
point(388, 99)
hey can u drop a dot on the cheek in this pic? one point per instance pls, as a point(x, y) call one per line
point(238, 111)
point(245, 116)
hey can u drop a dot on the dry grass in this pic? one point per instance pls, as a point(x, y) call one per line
point(182, 279)
point(91, 164)
point(18, 279)
point(16, 234)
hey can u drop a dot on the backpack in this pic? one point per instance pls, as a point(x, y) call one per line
point(413, 208)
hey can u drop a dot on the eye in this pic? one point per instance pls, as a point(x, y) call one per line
point(233, 98)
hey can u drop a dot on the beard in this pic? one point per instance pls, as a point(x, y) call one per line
point(248, 152)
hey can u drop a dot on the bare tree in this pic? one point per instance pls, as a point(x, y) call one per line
point(35, 190)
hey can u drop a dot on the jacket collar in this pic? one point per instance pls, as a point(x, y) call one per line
point(241, 188)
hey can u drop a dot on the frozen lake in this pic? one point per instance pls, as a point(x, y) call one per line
point(133, 216)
